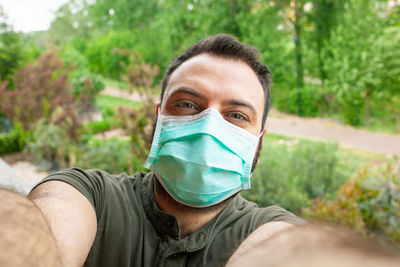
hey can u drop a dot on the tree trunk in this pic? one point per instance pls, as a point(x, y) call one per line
point(367, 106)
point(299, 63)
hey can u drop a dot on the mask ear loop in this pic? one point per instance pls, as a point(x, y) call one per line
point(260, 136)
point(156, 140)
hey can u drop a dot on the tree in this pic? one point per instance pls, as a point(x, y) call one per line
point(10, 49)
point(39, 89)
point(357, 59)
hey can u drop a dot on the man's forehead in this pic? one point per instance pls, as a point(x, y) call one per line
point(231, 72)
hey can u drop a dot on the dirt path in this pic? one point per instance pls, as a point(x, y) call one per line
point(312, 128)
point(324, 129)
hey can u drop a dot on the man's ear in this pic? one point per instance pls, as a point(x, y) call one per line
point(157, 108)
point(261, 143)
point(264, 132)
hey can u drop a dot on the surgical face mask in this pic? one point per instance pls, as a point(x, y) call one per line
point(202, 159)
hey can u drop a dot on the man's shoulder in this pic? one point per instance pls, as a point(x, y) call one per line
point(249, 211)
point(98, 186)
point(92, 177)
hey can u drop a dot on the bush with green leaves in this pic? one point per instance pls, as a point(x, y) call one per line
point(85, 89)
point(39, 89)
point(292, 174)
point(74, 58)
point(362, 59)
point(369, 203)
point(13, 141)
point(103, 53)
point(112, 155)
point(95, 127)
point(50, 143)
point(312, 101)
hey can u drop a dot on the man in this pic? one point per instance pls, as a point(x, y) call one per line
point(208, 136)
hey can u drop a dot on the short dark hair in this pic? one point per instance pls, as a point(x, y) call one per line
point(225, 46)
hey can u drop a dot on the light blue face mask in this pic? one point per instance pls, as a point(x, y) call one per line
point(202, 159)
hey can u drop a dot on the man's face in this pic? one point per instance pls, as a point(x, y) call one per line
point(206, 81)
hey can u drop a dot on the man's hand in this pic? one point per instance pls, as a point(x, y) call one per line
point(71, 217)
point(262, 233)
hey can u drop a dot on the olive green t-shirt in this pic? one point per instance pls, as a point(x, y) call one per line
point(133, 231)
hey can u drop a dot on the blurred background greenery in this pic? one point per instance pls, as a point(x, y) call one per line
point(334, 59)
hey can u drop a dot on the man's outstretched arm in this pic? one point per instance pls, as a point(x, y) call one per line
point(71, 217)
point(25, 236)
point(262, 233)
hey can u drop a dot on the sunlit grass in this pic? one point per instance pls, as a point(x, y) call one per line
point(116, 84)
point(109, 103)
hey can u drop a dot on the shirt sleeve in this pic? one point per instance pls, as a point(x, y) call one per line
point(90, 183)
point(278, 214)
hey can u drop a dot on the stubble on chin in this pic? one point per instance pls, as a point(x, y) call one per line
point(164, 195)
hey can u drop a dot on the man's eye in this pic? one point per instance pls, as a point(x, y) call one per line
point(238, 116)
point(186, 105)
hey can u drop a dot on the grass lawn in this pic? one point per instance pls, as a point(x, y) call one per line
point(116, 84)
point(108, 103)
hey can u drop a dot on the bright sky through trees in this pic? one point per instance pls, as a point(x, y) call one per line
point(30, 15)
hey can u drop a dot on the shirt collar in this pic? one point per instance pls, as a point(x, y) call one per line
point(164, 223)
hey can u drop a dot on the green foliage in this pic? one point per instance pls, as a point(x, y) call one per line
point(312, 99)
point(99, 126)
point(103, 53)
point(40, 88)
point(74, 58)
point(49, 142)
point(108, 104)
point(10, 49)
point(369, 203)
point(122, 14)
point(70, 21)
point(293, 174)
point(357, 59)
point(86, 88)
point(275, 44)
point(13, 141)
point(112, 155)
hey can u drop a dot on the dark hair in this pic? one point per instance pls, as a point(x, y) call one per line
point(226, 46)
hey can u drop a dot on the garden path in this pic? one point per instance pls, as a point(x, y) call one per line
point(312, 128)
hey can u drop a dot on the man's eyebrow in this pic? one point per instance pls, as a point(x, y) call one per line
point(242, 103)
point(188, 91)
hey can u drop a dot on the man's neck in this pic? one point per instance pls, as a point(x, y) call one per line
point(189, 219)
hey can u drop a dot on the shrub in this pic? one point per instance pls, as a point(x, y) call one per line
point(72, 57)
point(5, 124)
point(370, 203)
point(111, 155)
point(103, 55)
point(13, 141)
point(312, 101)
point(85, 89)
point(137, 122)
point(292, 175)
point(99, 126)
point(50, 143)
point(39, 89)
